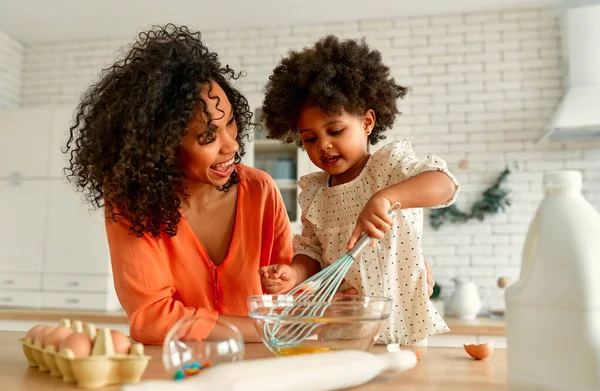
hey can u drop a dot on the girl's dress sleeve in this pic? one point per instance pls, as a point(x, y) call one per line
point(307, 242)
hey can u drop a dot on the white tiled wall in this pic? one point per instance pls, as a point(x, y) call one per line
point(11, 65)
point(482, 87)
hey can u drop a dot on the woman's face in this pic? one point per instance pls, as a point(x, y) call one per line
point(208, 149)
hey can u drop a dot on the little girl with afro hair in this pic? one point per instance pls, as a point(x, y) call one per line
point(334, 99)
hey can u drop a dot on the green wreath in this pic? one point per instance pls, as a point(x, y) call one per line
point(495, 199)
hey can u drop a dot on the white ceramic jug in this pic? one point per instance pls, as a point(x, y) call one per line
point(465, 302)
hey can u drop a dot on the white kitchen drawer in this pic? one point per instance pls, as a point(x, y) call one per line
point(79, 301)
point(11, 298)
point(74, 283)
point(14, 281)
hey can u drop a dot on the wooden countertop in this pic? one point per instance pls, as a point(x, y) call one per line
point(448, 369)
point(482, 325)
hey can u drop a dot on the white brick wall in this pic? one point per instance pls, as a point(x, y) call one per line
point(11, 65)
point(482, 87)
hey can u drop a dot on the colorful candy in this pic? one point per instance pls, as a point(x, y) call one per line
point(190, 369)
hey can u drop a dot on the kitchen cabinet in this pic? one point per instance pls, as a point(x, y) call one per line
point(22, 216)
point(75, 234)
point(54, 249)
point(25, 142)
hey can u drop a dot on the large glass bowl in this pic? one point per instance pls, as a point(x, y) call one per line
point(290, 326)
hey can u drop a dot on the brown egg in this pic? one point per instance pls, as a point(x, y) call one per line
point(79, 343)
point(56, 337)
point(32, 333)
point(503, 282)
point(121, 342)
point(43, 333)
point(481, 351)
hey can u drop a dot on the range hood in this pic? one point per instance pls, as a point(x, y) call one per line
point(577, 117)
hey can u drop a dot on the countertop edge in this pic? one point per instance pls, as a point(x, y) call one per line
point(482, 325)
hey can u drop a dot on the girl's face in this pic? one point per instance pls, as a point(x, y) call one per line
point(208, 151)
point(335, 143)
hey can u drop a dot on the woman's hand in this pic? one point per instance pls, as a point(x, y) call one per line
point(374, 220)
point(278, 279)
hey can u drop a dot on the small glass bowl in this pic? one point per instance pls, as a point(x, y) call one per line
point(185, 353)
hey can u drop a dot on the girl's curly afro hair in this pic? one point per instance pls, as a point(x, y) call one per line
point(125, 143)
point(331, 75)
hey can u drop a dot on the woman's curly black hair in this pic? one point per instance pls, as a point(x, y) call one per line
point(125, 143)
point(331, 75)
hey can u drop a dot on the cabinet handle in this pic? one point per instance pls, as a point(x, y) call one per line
point(6, 299)
point(14, 179)
point(8, 282)
point(71, 301)
point(72, 283)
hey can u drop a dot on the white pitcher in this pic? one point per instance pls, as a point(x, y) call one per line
point(465, 302)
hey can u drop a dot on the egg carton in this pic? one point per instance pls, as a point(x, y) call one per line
point(102, 368)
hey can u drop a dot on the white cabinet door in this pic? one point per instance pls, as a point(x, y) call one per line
point(24, 141)
point(59, 134)
point(22, 215)
point(76, 237)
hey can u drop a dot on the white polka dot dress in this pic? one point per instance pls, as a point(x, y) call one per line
point(394, 267)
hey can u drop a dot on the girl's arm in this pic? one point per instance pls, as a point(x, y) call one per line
point(427, 189)
point(281, 278)
point(424, 190)
point(305, 267)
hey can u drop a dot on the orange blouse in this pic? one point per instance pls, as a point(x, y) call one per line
point(161, 280)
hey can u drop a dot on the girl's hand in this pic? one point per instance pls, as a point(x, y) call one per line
point(278, 279)
point(373, 220)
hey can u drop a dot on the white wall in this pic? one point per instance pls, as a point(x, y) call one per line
point(11, 65)
point(483, 85)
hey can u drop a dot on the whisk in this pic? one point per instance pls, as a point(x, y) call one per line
point(311, 298)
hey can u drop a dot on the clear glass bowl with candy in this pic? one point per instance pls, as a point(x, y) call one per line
point(188, 350)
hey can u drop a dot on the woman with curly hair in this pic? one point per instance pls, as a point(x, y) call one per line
point(333, 99)
point(157, 142)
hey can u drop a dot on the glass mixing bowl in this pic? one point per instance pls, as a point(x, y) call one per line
point(288, 326)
